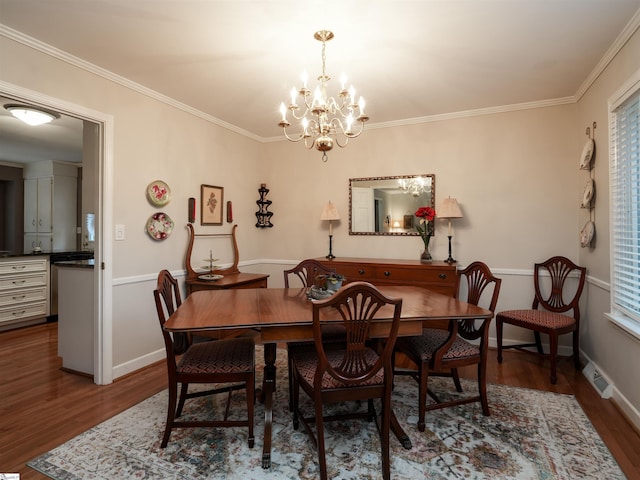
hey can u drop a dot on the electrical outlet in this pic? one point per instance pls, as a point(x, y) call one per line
point(119, 232)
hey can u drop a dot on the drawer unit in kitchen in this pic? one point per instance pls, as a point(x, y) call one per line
point(32, 295)
point(23, 281)
point(23, 312)
point(23, 266)
point(24, 289)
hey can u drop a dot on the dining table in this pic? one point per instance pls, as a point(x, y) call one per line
point(280, 315)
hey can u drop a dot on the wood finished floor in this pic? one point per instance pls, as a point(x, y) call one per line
point(41, 406)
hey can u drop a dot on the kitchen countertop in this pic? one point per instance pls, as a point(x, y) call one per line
point(76, 264)
point(7, 254)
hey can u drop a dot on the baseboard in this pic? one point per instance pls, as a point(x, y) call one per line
point(138, 363)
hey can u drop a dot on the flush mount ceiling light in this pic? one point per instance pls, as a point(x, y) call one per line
point(30, 115)
point(322, 118)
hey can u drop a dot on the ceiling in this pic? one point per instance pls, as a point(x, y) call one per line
point(236, 60)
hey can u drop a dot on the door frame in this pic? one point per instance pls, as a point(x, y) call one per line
point(103, 250)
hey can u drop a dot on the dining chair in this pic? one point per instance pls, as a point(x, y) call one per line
point(227, 361)
point(305, 273)
point(548, 313)
point(355, 372)
point(440, 352)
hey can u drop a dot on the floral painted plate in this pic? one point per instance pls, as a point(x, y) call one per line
point(158, 193)
point(159, 226)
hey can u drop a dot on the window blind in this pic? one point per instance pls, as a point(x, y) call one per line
point(625, 198)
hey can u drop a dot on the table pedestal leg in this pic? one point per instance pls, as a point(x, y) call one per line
point(268, 387)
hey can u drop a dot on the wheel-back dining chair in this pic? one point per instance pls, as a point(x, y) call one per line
point(440, 352)
point(219, 361)
point(549, 311)
point(306, 272)
point(353, 373)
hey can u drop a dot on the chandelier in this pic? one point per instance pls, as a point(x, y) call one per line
point(415, 186)
point(326, 120)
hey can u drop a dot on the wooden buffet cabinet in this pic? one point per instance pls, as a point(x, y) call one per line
point(440, 277)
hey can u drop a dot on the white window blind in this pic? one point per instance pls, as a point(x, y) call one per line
point(625, 203)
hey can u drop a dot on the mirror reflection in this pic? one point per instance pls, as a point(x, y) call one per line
point(385, 205)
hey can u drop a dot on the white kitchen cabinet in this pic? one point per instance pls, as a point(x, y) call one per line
point(42, 240)
point(24, 289)
point(50, 207)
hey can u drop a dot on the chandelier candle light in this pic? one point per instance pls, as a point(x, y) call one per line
point(322, 119)
point(330, 213)
point(450, 209)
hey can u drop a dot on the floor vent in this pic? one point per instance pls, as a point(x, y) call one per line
point(599, 382)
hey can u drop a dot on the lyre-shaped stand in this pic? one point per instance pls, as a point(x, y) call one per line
point(191, 273)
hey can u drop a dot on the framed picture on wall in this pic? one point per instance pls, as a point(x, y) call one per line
point(211, 205)
point(408, 222)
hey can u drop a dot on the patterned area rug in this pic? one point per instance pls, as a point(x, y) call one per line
point(529, 435)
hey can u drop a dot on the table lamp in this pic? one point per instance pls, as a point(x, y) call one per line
point(330, 213)
point(449, 209)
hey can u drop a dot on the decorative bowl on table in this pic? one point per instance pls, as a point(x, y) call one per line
point(316, 293)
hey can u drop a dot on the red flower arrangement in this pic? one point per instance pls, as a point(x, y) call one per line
point(426, 215)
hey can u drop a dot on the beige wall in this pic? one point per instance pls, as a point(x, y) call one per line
point(515, 175)
point(616, 353)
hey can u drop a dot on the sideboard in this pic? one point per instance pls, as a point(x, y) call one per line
point(440, 277)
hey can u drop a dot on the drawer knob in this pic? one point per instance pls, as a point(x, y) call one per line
point(361, 272)
point(443, 276)
point(387, 274)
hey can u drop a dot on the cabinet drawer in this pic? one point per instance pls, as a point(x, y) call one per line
point(23, 312)
point(17, 297)
point(355, 273)
point(23, 281)
point(424, 275)
point(28, 266)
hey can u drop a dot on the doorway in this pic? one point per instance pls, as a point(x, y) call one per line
point(97, 152)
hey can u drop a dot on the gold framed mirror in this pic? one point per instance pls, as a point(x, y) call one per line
point(385, 205)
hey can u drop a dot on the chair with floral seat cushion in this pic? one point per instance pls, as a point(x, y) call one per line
point(306, 273)
point(441, 352)
point(230, 362)
point(549, 312)
point(353, 373)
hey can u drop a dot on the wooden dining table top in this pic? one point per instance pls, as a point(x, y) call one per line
point(274, 308)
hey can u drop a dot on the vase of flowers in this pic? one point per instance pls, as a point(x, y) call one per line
point(425, 215)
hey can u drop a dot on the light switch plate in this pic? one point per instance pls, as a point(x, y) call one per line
point(119, 232)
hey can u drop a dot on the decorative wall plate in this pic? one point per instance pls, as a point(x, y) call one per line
point(158, 193)
point(159, 226)
point(586, 235)
point(587, 155)
point(589, 188)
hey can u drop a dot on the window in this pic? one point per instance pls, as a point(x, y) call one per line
point(625, 204)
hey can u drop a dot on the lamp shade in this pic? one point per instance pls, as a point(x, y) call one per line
point(449, 209)
point(330, 212)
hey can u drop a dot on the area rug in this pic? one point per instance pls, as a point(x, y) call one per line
point(529, 435)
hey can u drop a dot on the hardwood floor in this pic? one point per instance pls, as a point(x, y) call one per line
point(42, 406)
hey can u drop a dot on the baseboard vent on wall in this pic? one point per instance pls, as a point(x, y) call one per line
point(599, 382)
